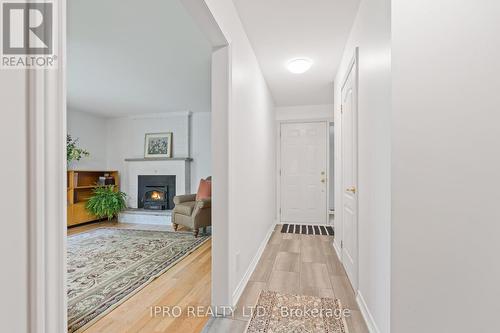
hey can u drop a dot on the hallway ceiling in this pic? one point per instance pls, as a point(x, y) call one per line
point(281, 30)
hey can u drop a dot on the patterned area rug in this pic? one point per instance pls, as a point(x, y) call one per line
point(106, 266)
point(279, 313)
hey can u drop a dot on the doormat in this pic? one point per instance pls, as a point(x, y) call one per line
point(297, 313)
point(325, 230)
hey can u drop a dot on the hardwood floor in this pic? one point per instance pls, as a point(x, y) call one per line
point(185, 284)
point(291, 263)
point(295, 264)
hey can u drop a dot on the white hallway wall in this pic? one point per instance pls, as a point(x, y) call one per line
point(445, 176)
point(201, 147)
point(372, 33)
point(14, 239)
point(305, 112)
point(111, 140)
point(252, 153)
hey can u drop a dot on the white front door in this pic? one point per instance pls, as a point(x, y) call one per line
point(303, 172)
point(349, 177)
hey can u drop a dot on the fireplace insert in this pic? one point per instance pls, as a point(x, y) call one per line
point(156, 192)
point(156, 199)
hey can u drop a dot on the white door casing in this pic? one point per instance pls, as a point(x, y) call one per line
point(350, 174)
point(303, 173)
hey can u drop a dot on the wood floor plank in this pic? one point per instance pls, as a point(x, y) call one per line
point(287, 261)
point(271, 251)
point(334, 265)
point(343, 290)
point(356, 323)
point(318, 292)
point(248, 299)
point(291, 236)
point(290, 245)
point(284, 282)
point(262, 272)
point(226, 325)
point(314, 275)
point(312, 254)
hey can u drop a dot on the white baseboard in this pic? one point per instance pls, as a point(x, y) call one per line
point(337, 251)
point(369, 320)
point(243, 283)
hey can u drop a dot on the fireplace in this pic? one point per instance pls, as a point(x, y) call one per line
point(156, 199)
point(156, 192)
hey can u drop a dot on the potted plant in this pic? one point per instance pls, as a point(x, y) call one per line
point(106, 202)
point(73, 152)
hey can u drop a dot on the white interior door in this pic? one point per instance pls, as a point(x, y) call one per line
point(303, 173)
point(349, 177)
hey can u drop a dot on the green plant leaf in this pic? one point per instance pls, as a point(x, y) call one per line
point(73, 152)
point(106, 201)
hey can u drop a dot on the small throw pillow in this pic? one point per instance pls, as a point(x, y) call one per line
point(204, 190)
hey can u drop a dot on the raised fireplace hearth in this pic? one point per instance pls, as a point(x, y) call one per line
point(156, 192)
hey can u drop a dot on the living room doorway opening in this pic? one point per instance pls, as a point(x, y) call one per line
point(102, 191)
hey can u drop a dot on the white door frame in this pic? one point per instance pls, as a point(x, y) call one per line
point(327, 121)
point(221, 118)
point(46, 104)
point(353, 65)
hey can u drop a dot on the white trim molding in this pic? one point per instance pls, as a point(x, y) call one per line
point(353, 65)
point(338, 250)
point(369, 320)
point(220, 117)
point(246, 277)
point(47, 189)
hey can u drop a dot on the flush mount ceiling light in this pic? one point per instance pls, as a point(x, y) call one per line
point(299, 65)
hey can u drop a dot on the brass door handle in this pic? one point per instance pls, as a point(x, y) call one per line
point(351, 189)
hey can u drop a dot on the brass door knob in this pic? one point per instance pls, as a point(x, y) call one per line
point(323, 180)
point(351, 189)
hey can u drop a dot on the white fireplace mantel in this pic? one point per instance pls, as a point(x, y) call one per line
point(142, 159)
point(178, 167)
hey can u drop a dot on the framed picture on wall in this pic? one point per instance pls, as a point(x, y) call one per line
point(158, 145)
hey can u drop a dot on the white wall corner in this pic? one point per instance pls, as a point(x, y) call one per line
point(367, 316)
point(244, 281)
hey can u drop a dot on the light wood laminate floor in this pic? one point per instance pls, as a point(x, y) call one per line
point(295, 264)
point(186, 283)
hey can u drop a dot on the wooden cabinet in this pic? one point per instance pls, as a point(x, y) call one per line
point(80, 185)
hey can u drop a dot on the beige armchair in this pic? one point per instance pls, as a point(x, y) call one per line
point(191, 213)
